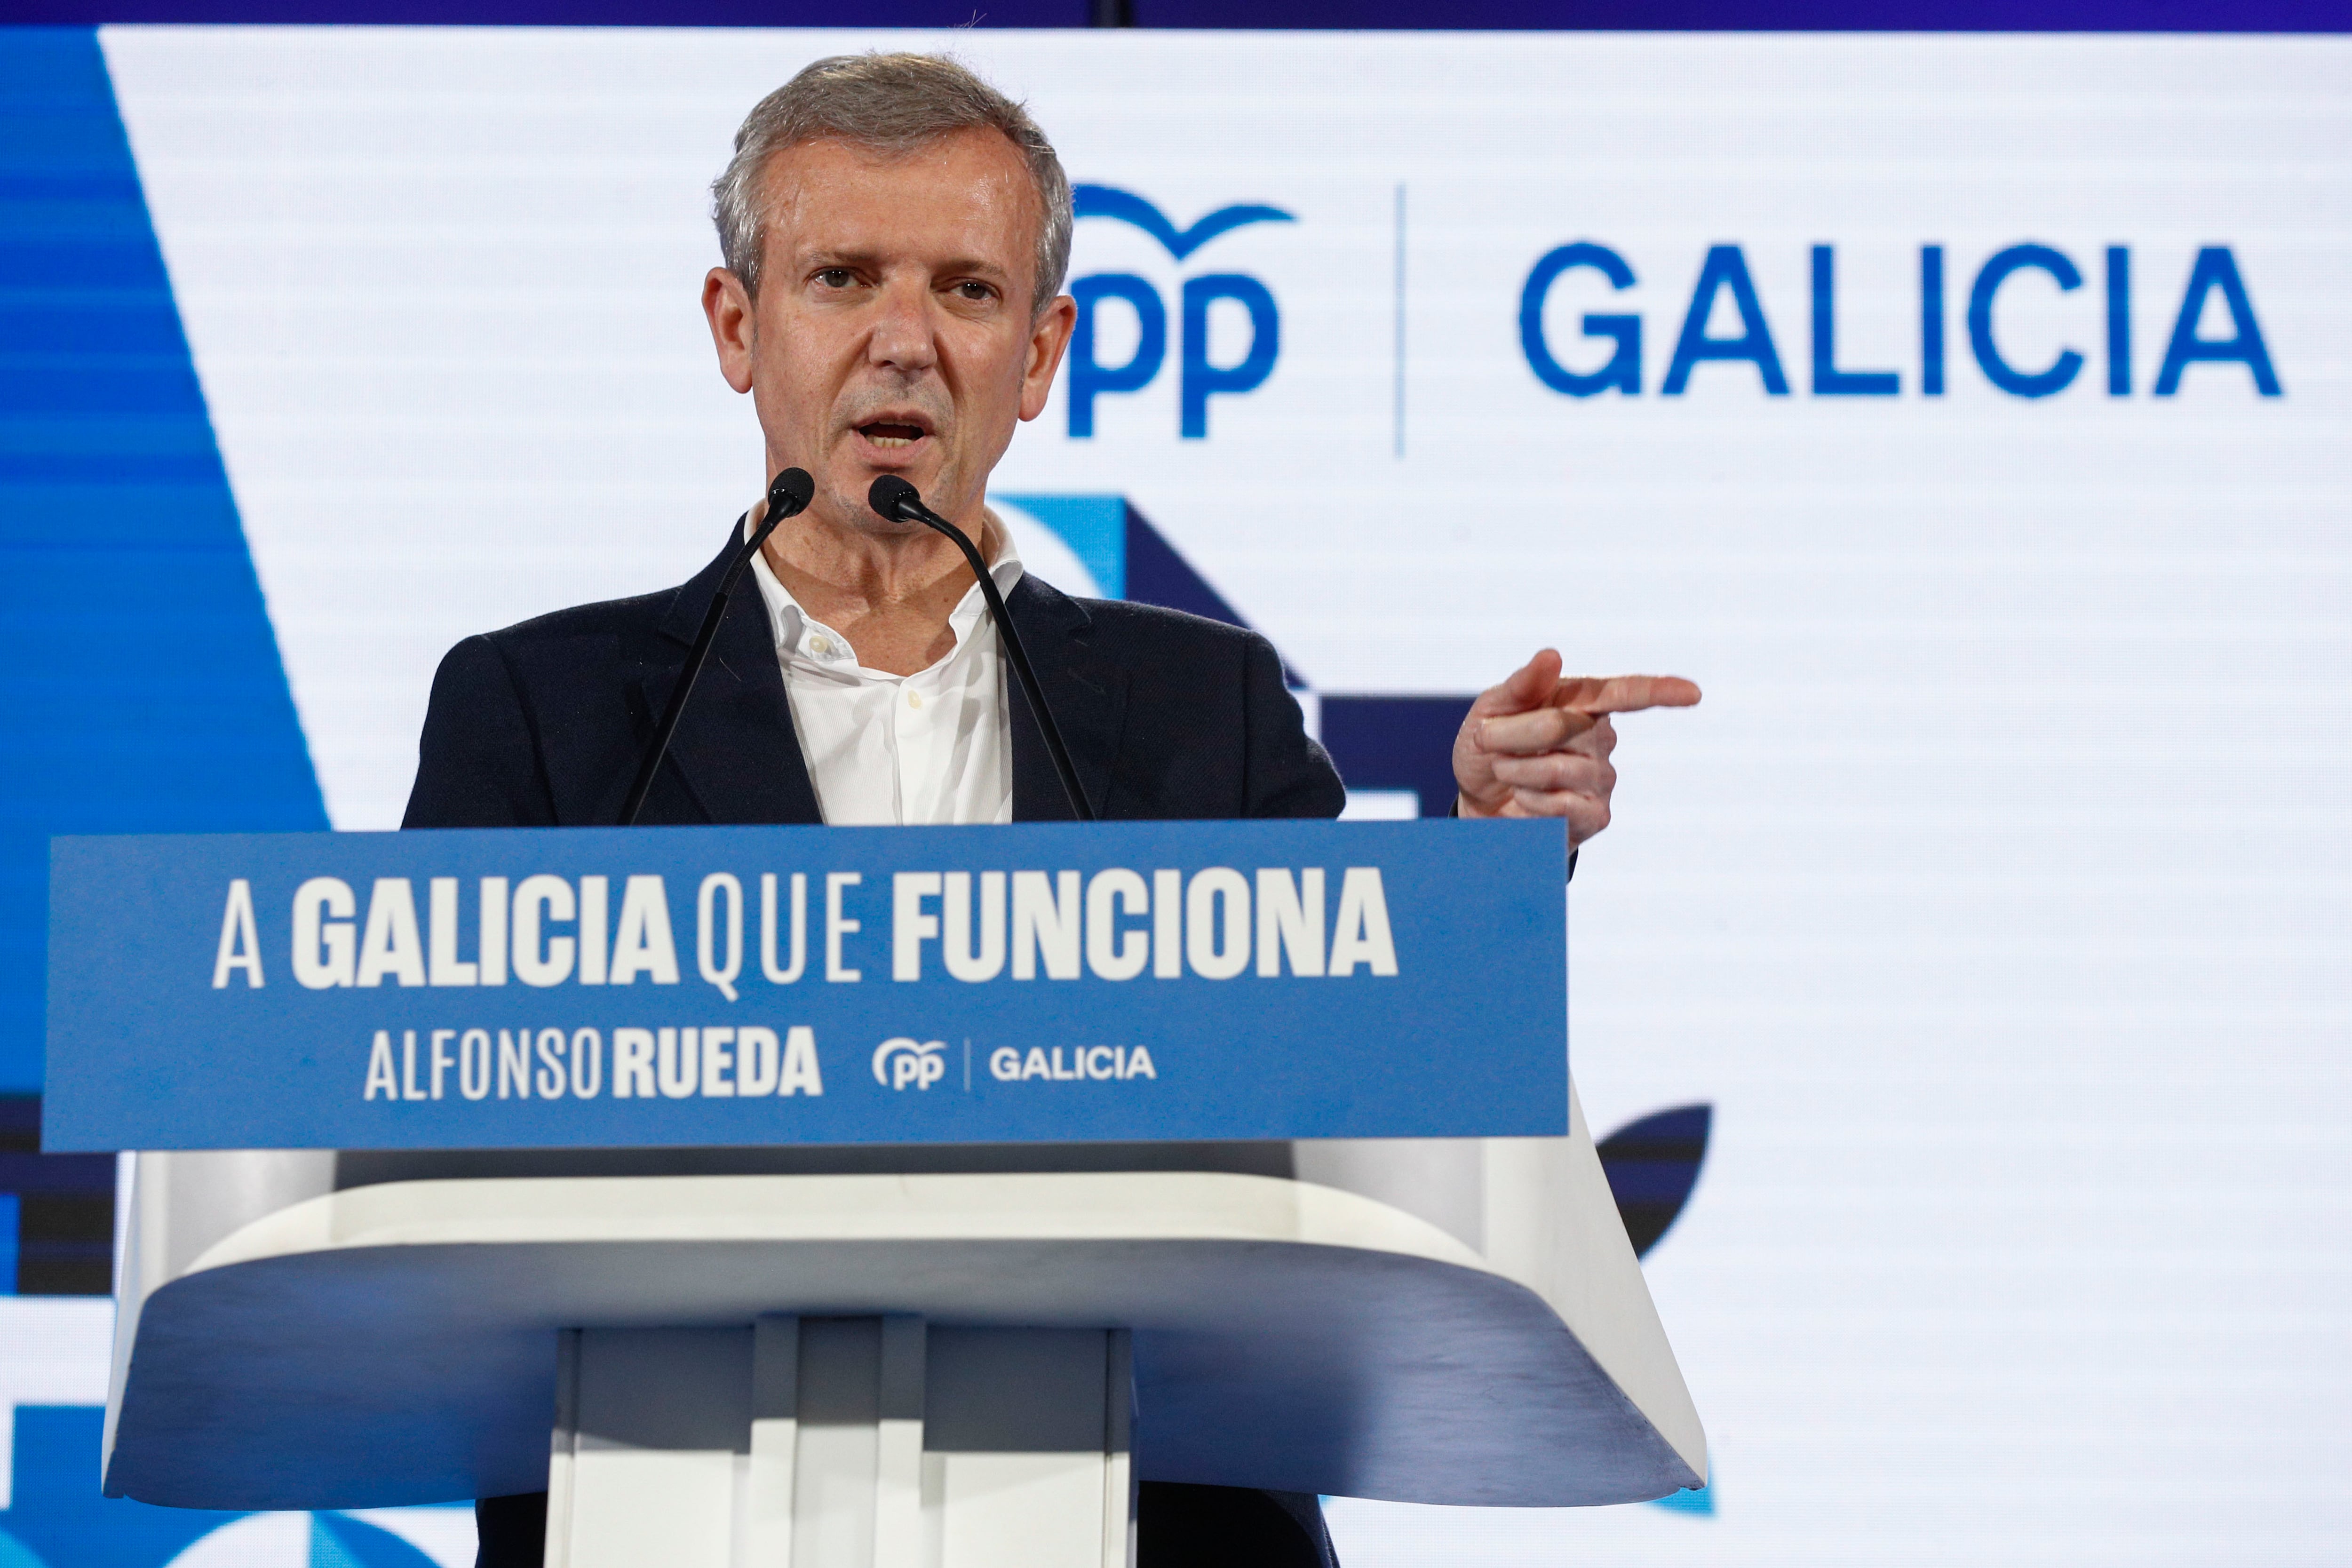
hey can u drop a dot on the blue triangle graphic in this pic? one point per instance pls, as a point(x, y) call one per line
point(338, 1543)
point(57, 1514)
point(141, 681)
point(1699, 1501)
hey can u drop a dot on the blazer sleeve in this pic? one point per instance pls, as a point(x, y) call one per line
point(478, 763)
point(1289, 775)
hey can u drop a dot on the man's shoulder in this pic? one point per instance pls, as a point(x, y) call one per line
point(1139, 628)
point(624, 618)
point(568, 661)
point(1157, 621)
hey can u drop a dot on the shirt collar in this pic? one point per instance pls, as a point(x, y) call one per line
point(801, 635)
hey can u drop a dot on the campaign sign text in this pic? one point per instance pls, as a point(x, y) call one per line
point(748, 986)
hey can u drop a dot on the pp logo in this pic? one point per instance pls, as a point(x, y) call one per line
point(901, 1062)
point(1199, 380)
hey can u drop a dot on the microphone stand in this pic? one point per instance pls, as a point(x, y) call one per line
point(788, 496)
point(894, 498)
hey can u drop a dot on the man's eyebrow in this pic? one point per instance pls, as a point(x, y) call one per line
point(973, 264)
point(965, 265)
point(822, 260)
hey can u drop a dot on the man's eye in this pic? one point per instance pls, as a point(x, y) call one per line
point(836, 278)
point(973, 290)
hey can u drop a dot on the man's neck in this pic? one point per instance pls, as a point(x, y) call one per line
point(889, 594)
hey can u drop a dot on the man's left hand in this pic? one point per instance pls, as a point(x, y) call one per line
point(1537, 745)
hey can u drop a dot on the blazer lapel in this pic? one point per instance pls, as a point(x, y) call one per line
point(735, 752)
point(1088, 694)
point(735, 758)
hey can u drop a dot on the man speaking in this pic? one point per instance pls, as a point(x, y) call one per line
point(895, 232)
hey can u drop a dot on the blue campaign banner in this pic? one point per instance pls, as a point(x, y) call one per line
point(748, 986)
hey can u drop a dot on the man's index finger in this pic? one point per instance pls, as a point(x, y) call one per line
point(1625, 693)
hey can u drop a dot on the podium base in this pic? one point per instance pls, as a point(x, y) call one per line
point(851, 1441)
point(278, 1347)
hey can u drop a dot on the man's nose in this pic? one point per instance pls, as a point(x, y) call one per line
point(904, 331)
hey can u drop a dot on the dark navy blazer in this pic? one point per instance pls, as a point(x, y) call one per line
point(1165, 715)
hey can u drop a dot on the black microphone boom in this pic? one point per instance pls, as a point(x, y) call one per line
point(895, 498)
point(788, 496)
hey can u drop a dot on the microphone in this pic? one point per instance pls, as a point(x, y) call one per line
point(895, 498)
point(788, 496)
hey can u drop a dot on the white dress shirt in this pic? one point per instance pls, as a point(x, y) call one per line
point(932, 747)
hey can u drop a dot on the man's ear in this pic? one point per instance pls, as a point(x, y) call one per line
point(1049, 338)
point(727, 305)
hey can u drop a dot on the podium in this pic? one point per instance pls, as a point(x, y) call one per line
point(1375, 1255)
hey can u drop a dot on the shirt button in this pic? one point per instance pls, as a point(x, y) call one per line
point(914, 700)
point(820, 644)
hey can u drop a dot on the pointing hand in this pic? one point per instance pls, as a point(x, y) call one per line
point(1537, 745)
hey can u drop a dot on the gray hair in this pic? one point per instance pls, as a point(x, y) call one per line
point(892, 104)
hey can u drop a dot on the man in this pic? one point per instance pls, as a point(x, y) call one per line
point(896, 234)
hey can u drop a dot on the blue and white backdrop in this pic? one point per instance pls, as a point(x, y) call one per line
point(1967, 414)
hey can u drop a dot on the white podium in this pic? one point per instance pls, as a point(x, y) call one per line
point(888, 1358)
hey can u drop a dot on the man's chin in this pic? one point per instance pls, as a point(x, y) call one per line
point(843, 504)
point(851, 483)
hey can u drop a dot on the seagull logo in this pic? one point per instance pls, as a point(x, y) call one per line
point(1200, 378)
point(1125, 206)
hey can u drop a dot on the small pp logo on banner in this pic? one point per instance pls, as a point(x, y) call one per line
point(902, 1062)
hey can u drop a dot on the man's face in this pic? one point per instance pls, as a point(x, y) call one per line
point(893, 332)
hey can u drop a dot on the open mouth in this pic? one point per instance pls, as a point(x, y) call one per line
point(889, 433)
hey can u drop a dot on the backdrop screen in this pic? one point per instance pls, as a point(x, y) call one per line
point(1967, 415)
